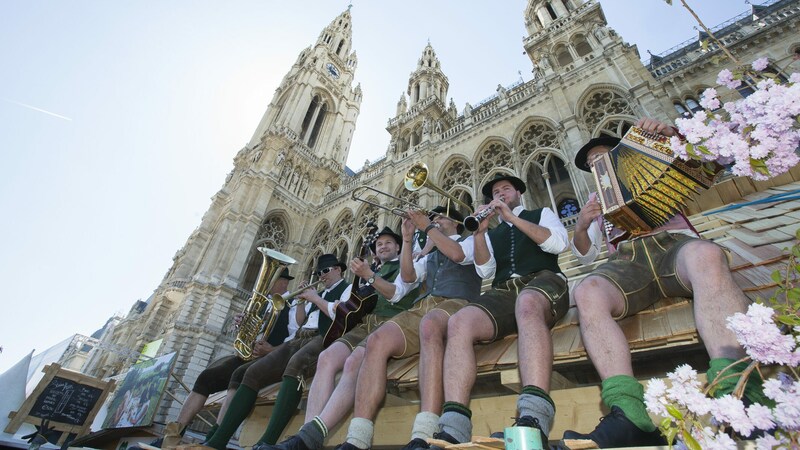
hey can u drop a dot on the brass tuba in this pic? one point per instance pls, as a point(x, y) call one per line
point(257, 310)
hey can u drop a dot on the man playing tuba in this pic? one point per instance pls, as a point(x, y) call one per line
point(216, 376)
point(291, 361)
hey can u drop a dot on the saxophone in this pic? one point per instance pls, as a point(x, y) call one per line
point(256, 310)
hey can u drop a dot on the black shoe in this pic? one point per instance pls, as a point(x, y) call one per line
point(348, 446)
point(417, 444)
point(293, 443)
point(525, 421)
point(443, 436)
point(616, 430)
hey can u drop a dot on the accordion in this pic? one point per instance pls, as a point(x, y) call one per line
point(641, 184)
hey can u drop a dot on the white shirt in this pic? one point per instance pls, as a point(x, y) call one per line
point(313, 320)
point(677, 225)
point(555, 244)
point(421, 268)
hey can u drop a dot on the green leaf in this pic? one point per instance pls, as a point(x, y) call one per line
point(690, 151)
point(674, 412)
point(777, 277)
point(703, 149)
point(670, 435)
point(704, 45)
point(790, 320)
point(793, 294)
point(759, 166)
point(690, 442)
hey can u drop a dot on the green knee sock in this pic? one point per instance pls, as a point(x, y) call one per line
point(753, 390)
point(626, 393)
point(210, 433)
point(286, 404)
point(240, 407)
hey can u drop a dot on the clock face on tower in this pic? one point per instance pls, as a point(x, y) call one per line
point(332, 70)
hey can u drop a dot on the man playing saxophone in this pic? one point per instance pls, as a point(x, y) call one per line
point(216, 376)
point(292, 361)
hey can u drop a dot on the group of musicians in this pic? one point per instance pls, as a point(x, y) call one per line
point(430, 304)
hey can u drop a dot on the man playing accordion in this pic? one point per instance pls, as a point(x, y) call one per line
point(669, 261)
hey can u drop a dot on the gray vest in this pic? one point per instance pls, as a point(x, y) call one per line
point(447, 279)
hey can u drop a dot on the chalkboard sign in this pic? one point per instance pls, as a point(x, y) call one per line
point(68, 400)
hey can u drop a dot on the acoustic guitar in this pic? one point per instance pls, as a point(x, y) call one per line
point(361, 302)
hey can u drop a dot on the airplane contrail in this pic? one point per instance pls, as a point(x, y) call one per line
point(38, 109)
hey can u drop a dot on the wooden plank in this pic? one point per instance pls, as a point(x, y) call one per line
point(757, 239)
point(681, 320)
point(488, 355)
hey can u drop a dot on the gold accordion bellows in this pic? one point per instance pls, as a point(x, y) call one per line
point(641, 184)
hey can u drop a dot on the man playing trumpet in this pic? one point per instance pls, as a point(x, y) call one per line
point(291, 362)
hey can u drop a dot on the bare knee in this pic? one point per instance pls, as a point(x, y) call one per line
point(705, 258)
point(595, 296)
point(465, 324)
point(353, 362)
point(532, 305)
point(330, 360)
point(380, 343)
point(432, 328)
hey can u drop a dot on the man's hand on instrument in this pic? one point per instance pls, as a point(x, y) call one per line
point(408, 228)
point(419, 218)
point(361, 268)
point(261, 348)
point(483, 225)
point(590, 211)
point(654, 126)
point(502, 209)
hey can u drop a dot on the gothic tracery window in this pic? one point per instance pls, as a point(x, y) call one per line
point(322, 236)
point(457, 172)
point(494, 155)
point(536, 135)
point(602, 103)
point(273, 230)
point(343, 225)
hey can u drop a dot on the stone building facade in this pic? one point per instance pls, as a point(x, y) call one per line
point(290, 190)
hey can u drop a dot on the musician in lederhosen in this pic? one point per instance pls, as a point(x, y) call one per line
point(327, 406)
point(450, 282)
point(217, 375)
point(529, 295)
point(670, 261)
point(291, 362)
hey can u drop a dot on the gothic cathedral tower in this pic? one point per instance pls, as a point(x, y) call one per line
point(295, 157)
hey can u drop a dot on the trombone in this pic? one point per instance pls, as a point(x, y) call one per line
point(415, 179)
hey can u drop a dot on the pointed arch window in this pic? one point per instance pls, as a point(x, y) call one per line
point(313, 121)
point(551, 11)
point(339, 48)
point(318, 125)
point(582, 47)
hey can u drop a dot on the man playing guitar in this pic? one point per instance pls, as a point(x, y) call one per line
point(332, 405)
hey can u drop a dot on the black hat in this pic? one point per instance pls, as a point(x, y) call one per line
point(329, 260)
point(453, 214)
point(518, 184)
point(285, 274)
point(580, 157)
point(386, 231)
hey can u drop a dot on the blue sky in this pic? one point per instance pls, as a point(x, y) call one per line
point(119, 120)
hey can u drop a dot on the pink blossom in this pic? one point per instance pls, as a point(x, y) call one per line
point(709, 99)
point(729, 409)
point(725, 77)
point(760, 64)
point(760, 416)
point(761, 338)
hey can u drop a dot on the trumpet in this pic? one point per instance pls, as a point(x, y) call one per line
point(471, 223)
point(285, 298)
point(415, 179)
